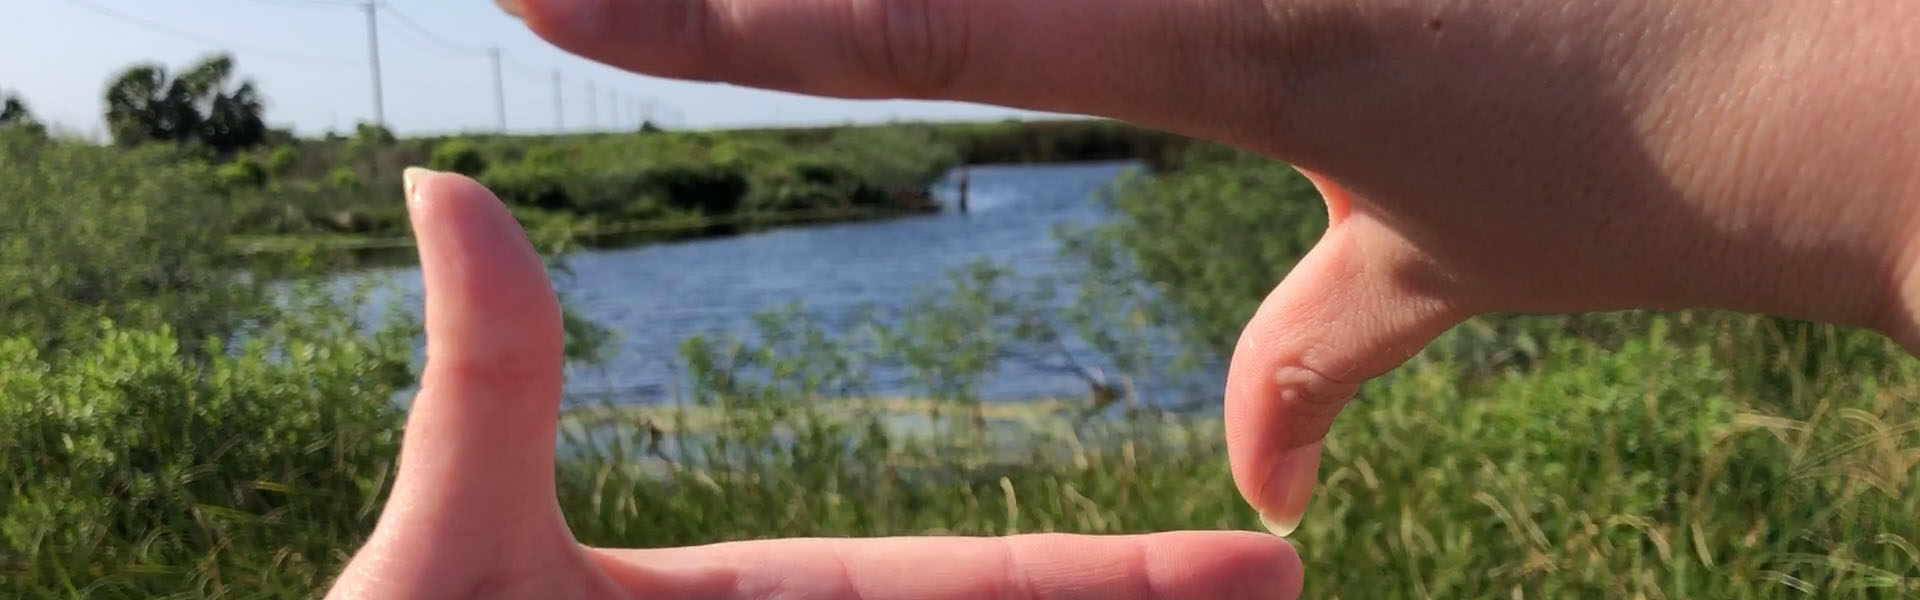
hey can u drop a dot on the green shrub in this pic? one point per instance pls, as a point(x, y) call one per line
point(545, 155)
point(458, 156)
point(137, 237)
point(710, 189)
point(163, 398)
point(371, 135)
point(282, 159)
point(241, 173)
point(811, 183)
point(622, 191)
point(344, 179)
point(892, 157)
point(132, 451)
point(531, 186)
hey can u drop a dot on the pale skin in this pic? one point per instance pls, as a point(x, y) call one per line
point(1476, 156)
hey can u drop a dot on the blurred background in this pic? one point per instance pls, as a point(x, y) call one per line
point(794, 316)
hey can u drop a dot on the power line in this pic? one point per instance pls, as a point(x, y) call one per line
point(498, 56)
point(188, 35)
point(417, 29)
point(311, 3)
point(522, 70)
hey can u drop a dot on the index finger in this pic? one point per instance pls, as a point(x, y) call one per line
point(1179, 565)
point(1200, 67)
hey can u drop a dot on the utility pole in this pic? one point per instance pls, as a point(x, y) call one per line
point(373, 57)
point(499, 89)
point(613, 109)
point(559, 110)
point(593, 107)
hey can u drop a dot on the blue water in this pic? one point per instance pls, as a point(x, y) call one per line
point(658, 294)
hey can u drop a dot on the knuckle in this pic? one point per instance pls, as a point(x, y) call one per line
point(918, 47)
point(1310, 392)
point(703, 25)
point(689, 38)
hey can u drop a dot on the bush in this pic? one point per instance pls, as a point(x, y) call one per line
point(805, 184)
point(710, 189)
point(344, 179)
point(622, 191)
point(137, 237)
point(370, 135)
point(282, 159)
point(132, 450)
point(892, 157)
point(242, 173)
point(458, 156)
point(162, 398)
point(532, 186)
point(545, 155)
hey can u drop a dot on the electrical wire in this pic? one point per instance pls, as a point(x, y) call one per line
point(327, 4)
point(445, 46)
point(423, 33)
point(522, 70)
point(187, 35)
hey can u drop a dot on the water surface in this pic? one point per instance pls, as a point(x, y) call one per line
point(658, 294)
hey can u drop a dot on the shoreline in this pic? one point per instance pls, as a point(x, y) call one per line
point(600, 236)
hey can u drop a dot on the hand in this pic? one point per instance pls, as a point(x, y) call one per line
point(1476, 155)
point(473, 512)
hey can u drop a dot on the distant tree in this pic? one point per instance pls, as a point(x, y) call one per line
point(13, 110)
point(143, 106)
point(373, 135)
point(230, 119)
point(202, 105)
point(458, 156)
point(14, 116)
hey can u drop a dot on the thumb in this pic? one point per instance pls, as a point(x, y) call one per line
point(1359, 304)
point(479, 445)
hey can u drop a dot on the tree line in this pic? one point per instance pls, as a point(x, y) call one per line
point(206, 105)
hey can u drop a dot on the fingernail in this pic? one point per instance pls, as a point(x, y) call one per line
point(412, 176)
point(1290, 489)
point(512, 7)
point(1280, 526)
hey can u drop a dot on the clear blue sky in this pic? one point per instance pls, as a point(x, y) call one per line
point(309, 58)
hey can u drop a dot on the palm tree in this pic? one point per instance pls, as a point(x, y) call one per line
point(144, 104)
point(13, 110)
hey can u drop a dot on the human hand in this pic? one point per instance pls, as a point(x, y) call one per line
point(1476, 155)
point(473, 512)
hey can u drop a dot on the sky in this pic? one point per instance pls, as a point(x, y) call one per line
point(309, 58)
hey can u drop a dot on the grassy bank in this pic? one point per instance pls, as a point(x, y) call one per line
point(585, 233)
point(324, 190)
point(167, 431)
